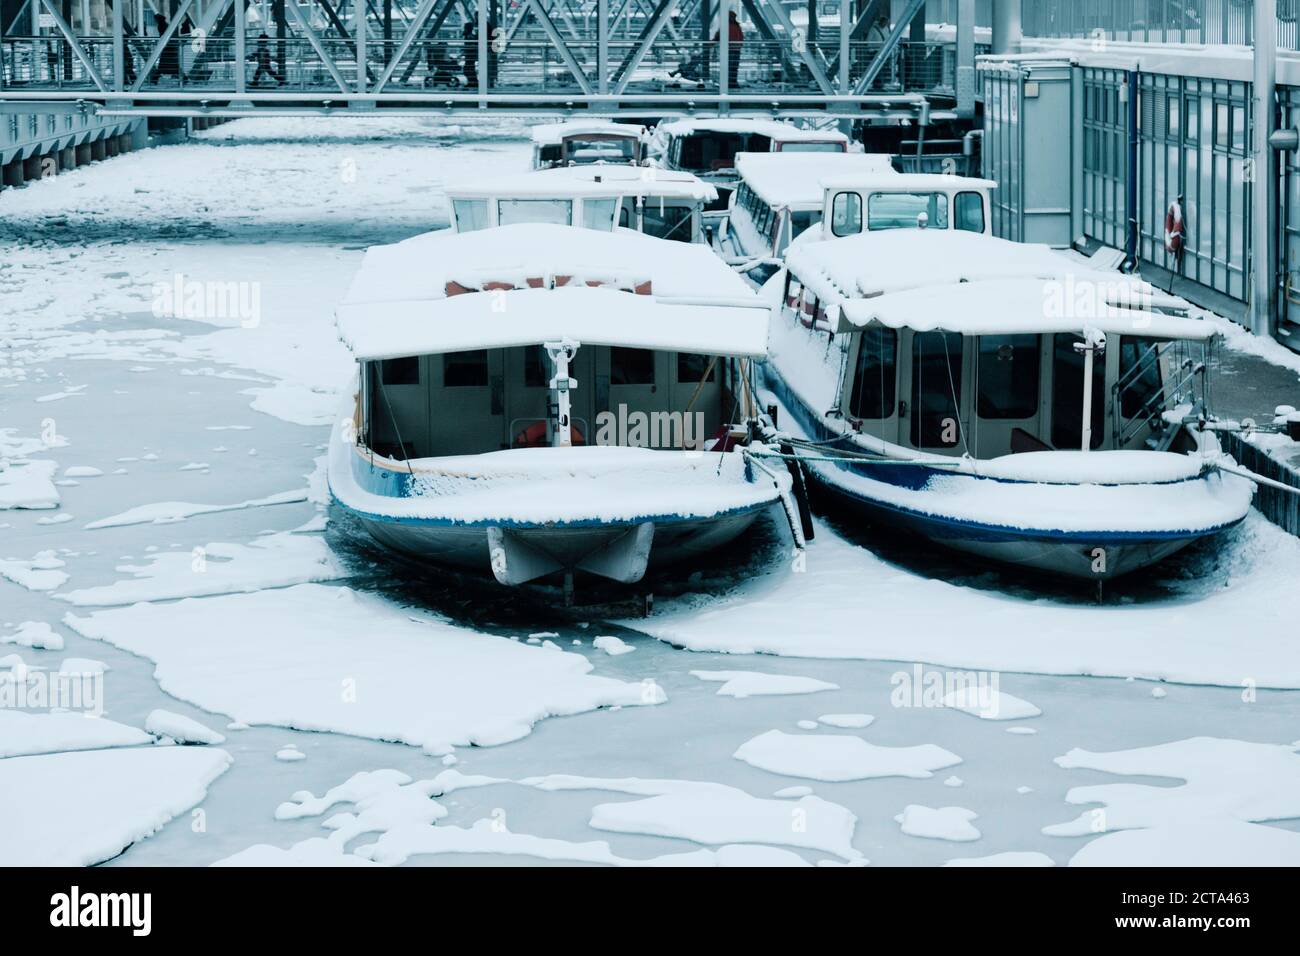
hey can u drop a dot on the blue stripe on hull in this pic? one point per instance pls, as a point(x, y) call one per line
point(940, 527)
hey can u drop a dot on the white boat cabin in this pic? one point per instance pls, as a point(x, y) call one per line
point(580, 142)
point(708, 147)
point(929, 201)
point(780, 196)
point(954, 343)
point(656, 202)
point(457, 339)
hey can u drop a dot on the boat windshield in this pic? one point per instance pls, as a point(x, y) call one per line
point(601, 150)
point(907, 211)
point(556, 211)
point(813, 147)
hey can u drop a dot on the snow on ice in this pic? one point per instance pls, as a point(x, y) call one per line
point(840, 757)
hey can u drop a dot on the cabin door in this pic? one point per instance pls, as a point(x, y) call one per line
point(466, 402)
point(936, 386)
point(871, 396)
point(637, 390)
point(528, 372)
point(697, 396)
point(1008, 394)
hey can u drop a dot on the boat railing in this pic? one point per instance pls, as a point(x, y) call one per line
point(1187, 379)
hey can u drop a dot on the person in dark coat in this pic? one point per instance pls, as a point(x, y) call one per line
point(470, 37)
point(262, 56)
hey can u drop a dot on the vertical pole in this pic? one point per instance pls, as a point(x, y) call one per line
point(482, 12)
point(602, 45)
point(846, 30)
point(119, 48)
point(241, 68)
point(1089, 350)
point(1006, 26)
point(724, 54)
point(1263, 178)
point(359, 15)
point(965, 78)
point(1131, 83)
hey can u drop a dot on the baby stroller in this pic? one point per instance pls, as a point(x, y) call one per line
point(440, 69)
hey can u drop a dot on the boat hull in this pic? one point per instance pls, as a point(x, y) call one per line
point(1095, 554)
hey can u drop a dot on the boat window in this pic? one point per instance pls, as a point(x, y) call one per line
point(667, 222)
point(810, 147)
point(1067, 394)
point(907, 211)
point(803, 220)
point(846, 214)
point(936, 389)
point(601, 149)
point(400, 371)
point(875, 387)
point(968, 210)
point(557, 211)
point(1008, 376)
point(599, 213)
point(537, 367)
point(471, 214)
point(631, 366)
point(625, 218)
point(463, 369)
point(690, 367)
point(1140, 390)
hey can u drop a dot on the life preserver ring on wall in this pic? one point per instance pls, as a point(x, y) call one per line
point(534, 436)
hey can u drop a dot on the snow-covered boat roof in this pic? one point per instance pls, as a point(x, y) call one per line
point(796, 179)
point(977, 285)
point(911, 182)
point(594, 179)
point(781, 132)
point(550, 134)
point(535, 282)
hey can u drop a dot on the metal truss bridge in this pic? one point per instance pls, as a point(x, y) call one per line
point(839, 59)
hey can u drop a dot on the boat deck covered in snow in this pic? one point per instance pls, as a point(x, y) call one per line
point(536, 399)
point(997, 399)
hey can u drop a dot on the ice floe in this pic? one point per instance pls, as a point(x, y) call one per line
point(180, 729)
point(50, 816)
point(354, 663)
point(838, 757)
point(34, 634)
point(165, 512)
point(23, 733)
point(276, 560)
point(757, 683)
point(41, 573)
point(939, 823)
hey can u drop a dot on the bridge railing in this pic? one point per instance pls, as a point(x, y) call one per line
point(527, 63)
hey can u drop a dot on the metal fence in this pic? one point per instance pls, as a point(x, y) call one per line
point(1157, 21)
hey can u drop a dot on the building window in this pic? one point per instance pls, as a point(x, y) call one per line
point(465, 369)
point(875, 386)
point(400, 371)
point(1008, 377)
point(631, 366)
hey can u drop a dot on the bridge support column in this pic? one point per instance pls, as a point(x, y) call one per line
point(11, 174)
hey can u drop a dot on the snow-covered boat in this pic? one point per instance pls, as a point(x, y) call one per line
point(708, 147)
point(997, 398)
point(780, 196)
point(657, 202)
point(578, 142)
point(538, 399)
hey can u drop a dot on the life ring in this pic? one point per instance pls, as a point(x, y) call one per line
point(534, 436)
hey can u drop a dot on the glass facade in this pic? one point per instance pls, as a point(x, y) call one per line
point(1193, 141)
point(1105, 156)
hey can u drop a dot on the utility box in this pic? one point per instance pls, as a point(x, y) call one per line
point(1029, 146)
